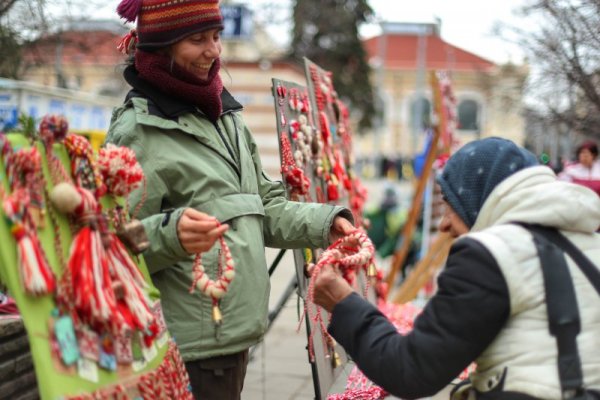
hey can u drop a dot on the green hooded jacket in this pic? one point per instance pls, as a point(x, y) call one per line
point(215, 168)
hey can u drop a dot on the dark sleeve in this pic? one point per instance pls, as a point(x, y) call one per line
point(457, 324)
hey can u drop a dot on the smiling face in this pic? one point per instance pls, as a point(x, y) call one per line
point(196, 53)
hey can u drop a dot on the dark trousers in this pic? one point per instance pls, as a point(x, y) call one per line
point(218, 378)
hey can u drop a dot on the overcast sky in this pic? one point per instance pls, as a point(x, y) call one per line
point(466, 24)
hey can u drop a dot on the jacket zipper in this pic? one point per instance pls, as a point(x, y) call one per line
point(225, 142)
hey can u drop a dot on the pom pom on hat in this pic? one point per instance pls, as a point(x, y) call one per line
point(129, 9)
point(473, 172)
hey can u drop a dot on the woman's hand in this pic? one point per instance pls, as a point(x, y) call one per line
point(197, 231)
point(341, 227)
point(330, 287)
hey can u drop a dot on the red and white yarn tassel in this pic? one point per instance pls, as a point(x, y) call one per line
point(36, 275)
point(121, 174)
point(165, 371)
point(120, 393)
point(150, 388)
point(128, 43)
point(126, 273)
point(180, 375)
point(91, 285)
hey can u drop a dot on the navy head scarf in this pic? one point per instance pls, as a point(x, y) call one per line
point(476, 169)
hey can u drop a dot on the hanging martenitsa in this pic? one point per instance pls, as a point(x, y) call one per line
point(348, 254)
point(215, 289)
point(325, 99)
point(104, 338)
point(122, 174)
point(101, 287)
point(291, 163)
point(350, 181)
point(24, 208)
point(105, 315)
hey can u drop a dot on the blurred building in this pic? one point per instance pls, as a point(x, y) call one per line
point(402, 56)
point(84, 57)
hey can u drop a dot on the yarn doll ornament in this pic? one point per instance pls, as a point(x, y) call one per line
point(54, 129)
point(83, 166)
point(24, 210)
point(215, 289)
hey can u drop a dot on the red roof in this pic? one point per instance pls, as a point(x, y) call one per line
point(79, 48)
point(400, 52)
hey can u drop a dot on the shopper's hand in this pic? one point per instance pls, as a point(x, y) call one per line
point(330, 287)
point(341, 227)
point(197, 231)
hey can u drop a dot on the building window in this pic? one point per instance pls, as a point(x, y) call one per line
point(420, 114)
point(468, 115)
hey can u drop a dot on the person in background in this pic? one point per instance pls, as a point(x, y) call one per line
point(385, 222)
point(490, 306)
point(204, 180)
point(586, 171)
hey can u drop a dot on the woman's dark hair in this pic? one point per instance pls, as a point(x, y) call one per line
point(588, 145)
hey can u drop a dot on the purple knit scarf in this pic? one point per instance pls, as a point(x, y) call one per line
point(170, 78)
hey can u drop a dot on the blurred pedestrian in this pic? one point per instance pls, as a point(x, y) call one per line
point(586, 171)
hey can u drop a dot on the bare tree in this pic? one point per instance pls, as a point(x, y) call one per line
point(6, 5)
point(564, 52)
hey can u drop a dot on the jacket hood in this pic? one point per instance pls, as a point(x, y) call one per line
point(534, 195)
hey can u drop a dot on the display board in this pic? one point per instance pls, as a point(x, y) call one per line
point(301, 164)
point(316, 163)
point(75, 356)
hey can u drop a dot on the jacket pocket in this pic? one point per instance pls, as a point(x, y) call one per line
point(229, 207)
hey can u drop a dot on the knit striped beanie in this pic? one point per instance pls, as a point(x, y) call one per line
point(164, 22)
point(473, 172)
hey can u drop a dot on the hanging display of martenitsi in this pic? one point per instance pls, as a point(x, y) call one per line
point(316, 165)
point(93, 318)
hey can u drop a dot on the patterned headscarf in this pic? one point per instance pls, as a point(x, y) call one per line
point(473, 172)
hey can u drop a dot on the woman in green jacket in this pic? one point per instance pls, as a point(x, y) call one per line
point(204, 180)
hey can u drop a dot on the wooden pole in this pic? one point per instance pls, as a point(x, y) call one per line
point(411, 222)
point(424, 269)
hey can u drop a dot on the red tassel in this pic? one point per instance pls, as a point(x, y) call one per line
point(129, 9)
point(128, 42)
point(87, 288)
point(135, 303)
point(325, 129)
point(36, 275)
point(332, 192)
